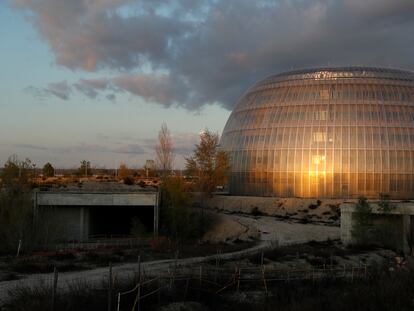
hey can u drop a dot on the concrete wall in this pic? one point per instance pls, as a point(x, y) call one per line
point(95, 199)
point(67, 214)
point(63, 222)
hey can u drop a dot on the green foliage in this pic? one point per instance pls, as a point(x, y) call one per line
point(179, 220)
point(48, 170)
point(385, 231)
point(384, 204)
point(255, 211)
point(175, 212)
point(15, 220)
point(362, 230)
point(375, 229)
point(15, 175)
point(208, 163)
point(15, 204)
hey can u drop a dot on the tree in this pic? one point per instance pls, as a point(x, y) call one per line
point(15, 204)
point(164, 151)
point(208, 163)
point(15, 174)
point(123, 171)
point(85, 168)
point(362, 230)
point(385, 231)
point(48, 170)
point(175, 213)
point(384, 204)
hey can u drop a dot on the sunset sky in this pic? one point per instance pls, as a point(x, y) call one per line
point(95, 79)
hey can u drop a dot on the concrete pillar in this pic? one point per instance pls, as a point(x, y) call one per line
point(406, 227)
point(84, 223)
point(346, 223)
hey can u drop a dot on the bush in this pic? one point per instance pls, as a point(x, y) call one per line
point(255, 211)
point(128, 180)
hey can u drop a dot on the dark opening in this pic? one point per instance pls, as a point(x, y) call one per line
point(120, 220)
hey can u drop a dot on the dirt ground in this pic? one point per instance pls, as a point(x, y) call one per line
point(233, 227)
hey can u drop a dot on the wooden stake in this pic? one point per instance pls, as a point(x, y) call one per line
point(119, 302)
point(264, 279)
point(54, 288)
point(262, 259)
point(139, 268)
point(238, 279)
point(110, 288)
point(186, 289)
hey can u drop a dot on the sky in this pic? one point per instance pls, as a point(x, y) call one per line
point(95, 79)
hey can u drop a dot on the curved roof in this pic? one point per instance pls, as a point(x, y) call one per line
point(340, 73)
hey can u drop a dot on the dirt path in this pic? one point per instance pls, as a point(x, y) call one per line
point(284, 233)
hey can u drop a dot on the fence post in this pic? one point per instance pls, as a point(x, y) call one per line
point(175, 266)
point(262, 259)
point(119, 302)
point(171, 277)
point(200, 281)
point(139, 268)
point(264, 279)
point(217, 263)
point(18, 248)
point(186, 289)
point(238, 279)
point(110, 288)
point(352, 274)
point(54, 288)
point(137, 298)
point(159, 290)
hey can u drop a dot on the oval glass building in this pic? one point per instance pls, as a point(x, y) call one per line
point(324, 133)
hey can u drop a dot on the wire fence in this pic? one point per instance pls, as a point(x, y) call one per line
point(219, 280)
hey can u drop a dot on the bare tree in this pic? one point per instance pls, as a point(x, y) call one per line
point(164, 151)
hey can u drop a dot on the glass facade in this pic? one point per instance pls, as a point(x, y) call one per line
point(324, 133)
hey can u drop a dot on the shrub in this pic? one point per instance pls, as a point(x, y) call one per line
point(255, 211)
point(128, 180)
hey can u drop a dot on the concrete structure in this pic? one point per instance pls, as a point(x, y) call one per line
point(78, 215)
point(324, 133)
point(401, 219)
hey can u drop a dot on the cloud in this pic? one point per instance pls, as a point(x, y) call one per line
point(91, 87)
point(130, 149)
point(88, 148)
point(61, 90)
point(30, 146)
point(194, 53)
